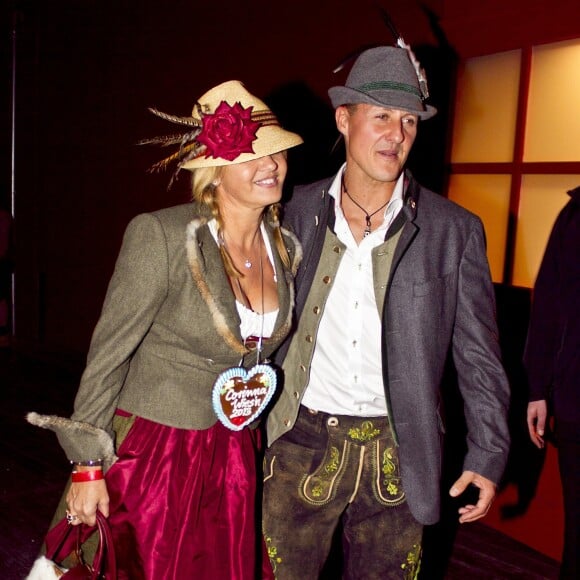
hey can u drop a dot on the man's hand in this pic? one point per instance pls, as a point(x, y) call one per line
point(537, 417)
point(470, 513)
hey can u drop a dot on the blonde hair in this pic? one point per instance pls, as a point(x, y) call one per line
point(203, 185)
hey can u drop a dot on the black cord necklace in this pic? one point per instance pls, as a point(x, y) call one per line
point(368, 215)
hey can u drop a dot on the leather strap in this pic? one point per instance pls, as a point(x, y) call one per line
point(104, 563)
point(63, 539)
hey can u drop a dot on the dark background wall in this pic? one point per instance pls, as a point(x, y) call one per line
point(86, 71)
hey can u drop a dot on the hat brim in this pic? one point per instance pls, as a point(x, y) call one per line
point(270, 139)
point(389, 99)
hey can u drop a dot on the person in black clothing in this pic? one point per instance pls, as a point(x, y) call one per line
point(552, 361)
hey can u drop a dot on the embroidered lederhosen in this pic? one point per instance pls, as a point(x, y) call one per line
point(332, 468)
point(354, 445)
point(323, 468)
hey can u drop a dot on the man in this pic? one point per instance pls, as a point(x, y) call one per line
point(552, 361)
point(393, 277)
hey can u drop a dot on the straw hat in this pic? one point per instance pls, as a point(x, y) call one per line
point(228, 125)
point(384, 76)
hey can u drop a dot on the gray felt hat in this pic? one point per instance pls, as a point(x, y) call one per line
point(383, 76)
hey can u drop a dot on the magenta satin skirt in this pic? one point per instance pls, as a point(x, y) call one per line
point(183, 504)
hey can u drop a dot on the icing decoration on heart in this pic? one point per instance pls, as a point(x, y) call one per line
point(239, 396)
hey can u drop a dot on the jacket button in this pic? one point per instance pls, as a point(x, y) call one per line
point(309, 338)
point(336, 249)
point(287, 422)
point(316, 310)
point(296, 394)
point(326, 279)
point(303, 368)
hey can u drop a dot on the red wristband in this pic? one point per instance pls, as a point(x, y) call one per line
point(82, 476)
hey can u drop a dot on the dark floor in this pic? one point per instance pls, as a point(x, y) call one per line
point(34, 471)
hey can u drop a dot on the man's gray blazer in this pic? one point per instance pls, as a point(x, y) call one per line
point(439, 298)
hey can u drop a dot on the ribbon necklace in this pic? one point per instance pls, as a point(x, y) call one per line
point(239, 396)
point(368, 215)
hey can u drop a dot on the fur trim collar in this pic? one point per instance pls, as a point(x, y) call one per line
point(197, 266)
point(195, 260)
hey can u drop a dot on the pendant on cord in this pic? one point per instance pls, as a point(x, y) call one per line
point(240, 396)
point(367, 231)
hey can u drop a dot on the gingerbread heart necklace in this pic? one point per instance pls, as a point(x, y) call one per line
point(239, 396)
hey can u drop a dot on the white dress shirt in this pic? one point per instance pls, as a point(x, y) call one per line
point(346, 371)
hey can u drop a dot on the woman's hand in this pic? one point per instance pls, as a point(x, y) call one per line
point(84, 499)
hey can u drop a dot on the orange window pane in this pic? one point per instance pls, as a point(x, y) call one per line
point(486, 108)
point(488, 197)
point(553, 122)
point(541, 199)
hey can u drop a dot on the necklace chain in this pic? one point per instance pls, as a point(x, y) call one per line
point(245, 299)
point(247, 262)
point(368, 215)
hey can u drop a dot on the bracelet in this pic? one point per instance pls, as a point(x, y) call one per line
point(83, 476)
point(89, 463)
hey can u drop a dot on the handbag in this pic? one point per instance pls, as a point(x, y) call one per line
point(64, 539)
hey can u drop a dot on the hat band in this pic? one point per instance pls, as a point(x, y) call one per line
point(265, 117)
point(389, 86)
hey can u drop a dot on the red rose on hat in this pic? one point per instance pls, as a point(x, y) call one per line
point(228, 132)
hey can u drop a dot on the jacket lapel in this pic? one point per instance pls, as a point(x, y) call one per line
point(211, 280)
point(210, 277)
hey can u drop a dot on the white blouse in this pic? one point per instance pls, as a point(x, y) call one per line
point(253, 323)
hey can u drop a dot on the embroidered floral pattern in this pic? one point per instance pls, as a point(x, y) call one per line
point(320, 487)
point(332, 464)
point(272, 553)
point(366, 432)
point(412, 565)
point(388, 488)
point(389, 469)
point(329, 468)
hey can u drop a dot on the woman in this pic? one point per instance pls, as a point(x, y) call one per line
point(198, 289)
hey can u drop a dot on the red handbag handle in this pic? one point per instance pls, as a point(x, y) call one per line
point(60, 542)
point(104, 563)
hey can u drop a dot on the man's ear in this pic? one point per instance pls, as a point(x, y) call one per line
point(342, 117)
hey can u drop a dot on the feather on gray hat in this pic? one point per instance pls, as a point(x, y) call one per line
point(387, 77)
